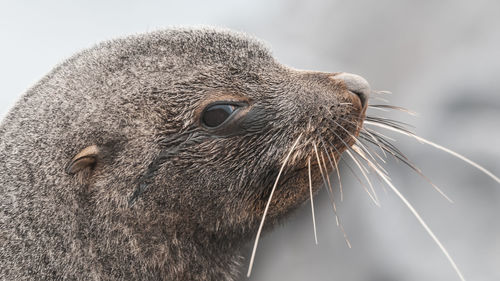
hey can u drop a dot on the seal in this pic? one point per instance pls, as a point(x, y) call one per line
point(156, 156)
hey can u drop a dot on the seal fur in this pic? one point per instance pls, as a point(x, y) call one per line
point(158, 196)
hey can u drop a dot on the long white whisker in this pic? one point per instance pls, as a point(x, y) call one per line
point(375, 199)
point(328, 185)
point(323, 176)
point(327, 176)
point(326, 179)
point(385, 107)
point(335, 167)
point(376, 141)
point(374, 196)
point(422, 140)
point(345, 235)
point(356, 140)
point(414, 168)
point(379, 108)
point(337, 218)
point(338, 175)
point(382, 135)
point(312, 202)
point(380, 99)
point(252, 258)
point(353, 173)
point(360, 152)
point(376, 154)
point(422, 222)
point(382, 92)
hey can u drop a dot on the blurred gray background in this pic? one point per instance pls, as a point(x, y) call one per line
point(441, 59)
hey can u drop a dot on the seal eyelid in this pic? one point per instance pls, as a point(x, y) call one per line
point(217, 114)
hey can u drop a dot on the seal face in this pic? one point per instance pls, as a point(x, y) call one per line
point(153, 156)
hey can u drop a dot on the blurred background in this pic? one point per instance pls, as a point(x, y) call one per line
point(440, 59)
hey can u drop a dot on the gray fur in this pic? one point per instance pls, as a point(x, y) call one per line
point(202, 192)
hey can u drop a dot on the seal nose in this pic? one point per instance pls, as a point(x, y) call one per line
point(356, 84)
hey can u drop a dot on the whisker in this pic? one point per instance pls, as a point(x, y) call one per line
point(252, 258)
point(379, 99)
point(320, 167)
point(379, 108)
point(376, 141)
point(374, 152)
point(337, 218)
point(422, 140)
point(382, 92)
point(334, 168)
point(360, 152)
point(374, 196)
point(340, 181)
point(353, 137)
point(398, 155)
point(392, 148)
point(388, 106)
point(342, 127)
point(356, 176)
point(384, 145)
point(328, 156)
point(373, 134)
point(358, 140)
point(412, 166)
point(349, 166)
point(367, 150)
point(379, 134)
point(328, 179)
point(345, 234)
point(422, 222)
point(312, 202)
point(370, 163)
point(389, 122)
point(325, 178)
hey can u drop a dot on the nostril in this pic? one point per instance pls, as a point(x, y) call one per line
point(356, 84)
point(362, 96)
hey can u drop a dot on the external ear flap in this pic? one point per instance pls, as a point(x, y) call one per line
point(86, 158)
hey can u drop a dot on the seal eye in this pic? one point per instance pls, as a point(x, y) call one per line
point(215, 115)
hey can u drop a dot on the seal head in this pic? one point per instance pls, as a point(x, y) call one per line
point(153, 156)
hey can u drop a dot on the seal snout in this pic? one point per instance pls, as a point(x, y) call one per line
point(356, 84)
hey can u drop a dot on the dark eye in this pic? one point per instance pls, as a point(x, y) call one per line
point(215, 115)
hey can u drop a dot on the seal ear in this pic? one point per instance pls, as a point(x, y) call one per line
point(86, 158)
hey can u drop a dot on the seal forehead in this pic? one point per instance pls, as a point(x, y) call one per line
point(198, 46)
